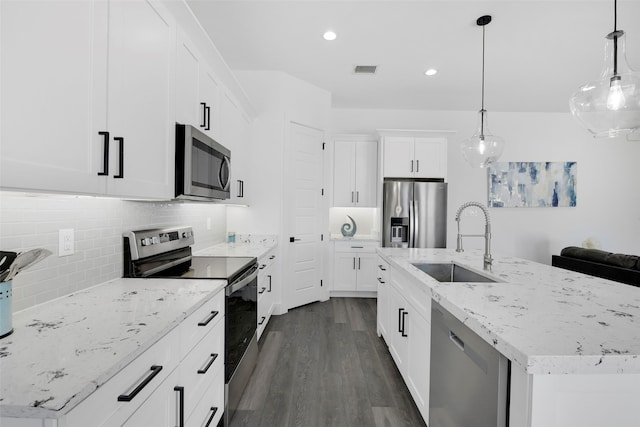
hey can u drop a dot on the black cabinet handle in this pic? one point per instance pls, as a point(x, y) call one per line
point(212, 358)
point(240, 188)
point(207, 110)
point(411, 165)
point(354, 263)
point(358, 263)
point(209, 318)
point(269, 276)
point(121, 157)
point(380, 280)
point(155, 370)
point(417, 165)
point(381, 267)
point(404, 324)
point(105, 154)
point(262, 319)
point(272, 257)
point(204, 114)
point(400, 310)
point(262, 266)
point(261, 291)
point(293, 239)
point(213, 414)
point(180, 419)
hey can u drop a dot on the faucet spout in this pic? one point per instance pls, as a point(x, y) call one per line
point(488, 260)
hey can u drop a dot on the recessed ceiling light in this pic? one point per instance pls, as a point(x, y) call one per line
point(329, 35)
point(431, 72)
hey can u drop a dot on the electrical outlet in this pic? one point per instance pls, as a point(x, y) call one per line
point(65, 242)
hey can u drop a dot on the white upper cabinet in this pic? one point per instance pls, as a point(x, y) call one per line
point(141, 99)
point(234, 134)
point(50, 53)
point(355, 173)
point(415, 157)
point(197, 89)
point(97, 117)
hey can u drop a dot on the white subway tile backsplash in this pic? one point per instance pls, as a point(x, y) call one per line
point(30, 221)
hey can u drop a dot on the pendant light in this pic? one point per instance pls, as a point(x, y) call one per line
point(610, 106)
point(482, 148)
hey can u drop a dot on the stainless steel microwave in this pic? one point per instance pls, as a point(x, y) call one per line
point(202, 166)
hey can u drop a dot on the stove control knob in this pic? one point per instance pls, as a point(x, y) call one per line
point(155, 240)
point(186, 234)
point(146, 241)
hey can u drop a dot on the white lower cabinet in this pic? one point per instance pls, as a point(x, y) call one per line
point(267, 283)
point(404, 320)
point(383, 297)
point(176, 382)
point(355, 265)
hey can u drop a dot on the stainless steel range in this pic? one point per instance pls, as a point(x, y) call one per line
point(166, 253)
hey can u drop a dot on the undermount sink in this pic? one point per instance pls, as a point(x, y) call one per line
point(450, 272)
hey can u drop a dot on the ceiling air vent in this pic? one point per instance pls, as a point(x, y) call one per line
point(365, 69)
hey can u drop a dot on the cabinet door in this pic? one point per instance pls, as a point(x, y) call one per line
point(53, 85)
point(383, 299)
point(430, 157)
point(398, 157)
point(398, 344)
point(161, 408)
point(366, 173)
point(344, 173)
point(367, 272)
point(418, 330)
point(209, 96)
point(141, 98)
point(344, 271)
point(188, 64)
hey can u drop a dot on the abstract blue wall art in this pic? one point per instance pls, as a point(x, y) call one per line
point(532, 184)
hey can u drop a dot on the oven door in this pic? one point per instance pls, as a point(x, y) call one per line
point(202, 166)
point(241, 318)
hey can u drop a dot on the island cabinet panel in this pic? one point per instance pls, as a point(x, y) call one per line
point(404, 317)
point(383, 318)
point(87, 121)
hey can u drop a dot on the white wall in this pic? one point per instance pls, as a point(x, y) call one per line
point(608, 200)
point(29, 221)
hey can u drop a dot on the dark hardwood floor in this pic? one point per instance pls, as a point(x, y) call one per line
point(324, 365)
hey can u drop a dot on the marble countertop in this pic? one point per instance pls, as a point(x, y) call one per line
point(546, 319)
point(63, 350)
point(361, 237)
point(245, 245)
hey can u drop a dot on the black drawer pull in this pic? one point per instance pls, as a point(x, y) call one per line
point(262, 290)
point(212, 358)
point(213, 414)
point(208, 112)
point(272, 257)
point(155, 370)
point(262, 319)
point(262, 266)
point(180, 419)
point(404, 332)
point(105, 155)
point(380, 280)
point(269, 276)
point(206, 321)
point(204, 114)
point(381, 267)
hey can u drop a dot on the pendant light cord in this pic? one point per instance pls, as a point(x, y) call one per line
point(482, 108)
point(615, 38)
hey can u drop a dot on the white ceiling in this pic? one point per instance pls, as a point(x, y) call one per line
point(537, 52)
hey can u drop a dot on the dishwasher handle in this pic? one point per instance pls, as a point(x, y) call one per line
point(456, 340)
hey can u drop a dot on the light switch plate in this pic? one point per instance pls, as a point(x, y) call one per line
point(66, 242)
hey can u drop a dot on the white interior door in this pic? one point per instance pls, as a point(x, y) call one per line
point(303, 216)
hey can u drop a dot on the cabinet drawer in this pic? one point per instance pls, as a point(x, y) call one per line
point(209, 410)
point(134, 382)
point(196, 326)
point(201, 366)
point(356, 246)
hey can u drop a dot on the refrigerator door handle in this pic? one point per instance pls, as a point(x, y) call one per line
point(416, 223)
point(412, 224)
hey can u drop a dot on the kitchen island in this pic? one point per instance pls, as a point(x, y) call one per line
point(573, 340)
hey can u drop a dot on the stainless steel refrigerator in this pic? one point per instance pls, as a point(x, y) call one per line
point(414, 214)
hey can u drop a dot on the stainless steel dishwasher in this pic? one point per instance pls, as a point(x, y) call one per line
point(469, 378)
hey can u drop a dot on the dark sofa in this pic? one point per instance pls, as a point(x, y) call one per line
point(608, 265)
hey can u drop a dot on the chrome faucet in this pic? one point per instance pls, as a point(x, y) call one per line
point(487, 232)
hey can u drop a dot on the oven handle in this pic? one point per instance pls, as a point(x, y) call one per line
point(247, 278)
point(165, 266)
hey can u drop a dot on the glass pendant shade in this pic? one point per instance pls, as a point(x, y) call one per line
point(610, 106)
point(482, 148)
